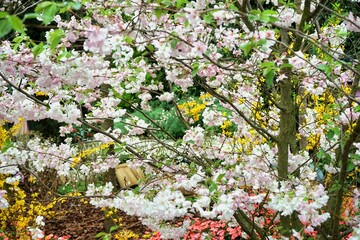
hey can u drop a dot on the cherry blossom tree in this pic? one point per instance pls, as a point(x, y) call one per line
point(267, 92)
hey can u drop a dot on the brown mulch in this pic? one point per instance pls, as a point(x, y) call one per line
point(83, 221)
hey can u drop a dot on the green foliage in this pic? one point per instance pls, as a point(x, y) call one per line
point(47, 10)
point(107, 236)
point(247, 47)
point(10, 22)
point(208, 18)
point(37, 49)
point(266, 16)
point(269, 70)
point(7, 144)
point(164, 115)
point(70, 188)
point(213, 187)
point(55, 38)
point(16, 23)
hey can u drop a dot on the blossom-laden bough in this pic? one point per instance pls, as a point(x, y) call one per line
point(270, 147)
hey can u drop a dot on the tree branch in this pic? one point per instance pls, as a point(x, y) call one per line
point(23, 92)
point(260, 130)
point(344, 160)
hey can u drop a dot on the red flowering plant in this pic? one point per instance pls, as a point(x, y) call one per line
point(212, 229)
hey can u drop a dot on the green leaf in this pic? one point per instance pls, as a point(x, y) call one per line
point(330, 134)
point(100, 234)
point(326, 116)
point(269, 78)
point(320, 154)
point(273, 19)
point(16, 23)
point(255, 12)
point(37, 49)
point(167, 3)
point(128, 40)
point(286, 65)
point(289, 5)
point(113, 228)
point(218, 179)
point(261, 42)
point(160, 12)
point(55, 38)
point(192, 167)
point(49, 14)
point(335, 187)
point(181, 3)
point(233, 7)
point(104, 153)
point(325, 67)
point(5, 27)
point(41, 6)
point(150, 47)
point(350, 167)
point(337, 131)
point(195, 68)
point(270, 12)
point(213, 187)
point(31, 16)
point(326, 158)
point(173, 43)
point(19, 39)
point(64, 54)
point(355, 156)
point(265, 18)
point(253, 17)
point(3, 14)
point(267, 64)
point(307, 27)
point(322, 66)
point(357, 108)
point(148, 77)
point(7, 144)
point(76, 6)
point(186, 23)
point(209, 19)
point(246, 47)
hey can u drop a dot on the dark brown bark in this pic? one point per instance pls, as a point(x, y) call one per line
point(344, 161)
point(251, 228)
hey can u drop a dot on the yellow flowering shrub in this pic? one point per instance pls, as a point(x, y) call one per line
point(192, 109)
point(117, 231)
point(324, 107)
point(23, 209)
point(125, 235)
point(225, 128)
point(24, 205)
point(41, 94)
point(6, 134)
point(3, 135)
point(90, 151)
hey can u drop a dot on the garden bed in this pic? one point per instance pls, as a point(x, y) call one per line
point(80, 220)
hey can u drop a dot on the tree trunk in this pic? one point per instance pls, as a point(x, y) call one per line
point(287, 141)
